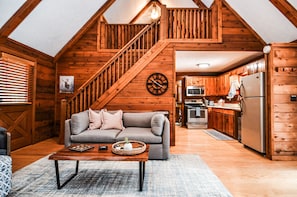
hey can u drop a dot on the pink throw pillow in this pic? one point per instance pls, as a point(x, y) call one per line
point(112, 121)
point(95, 119)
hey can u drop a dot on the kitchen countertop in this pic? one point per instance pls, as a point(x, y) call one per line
point(231, 106)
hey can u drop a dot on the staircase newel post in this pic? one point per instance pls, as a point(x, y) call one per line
point(163, 23)
point(63, 117)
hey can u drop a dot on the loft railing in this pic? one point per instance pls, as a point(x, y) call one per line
point(116, 36)
point(182, 23)
point(189, 23)
point(117, 66)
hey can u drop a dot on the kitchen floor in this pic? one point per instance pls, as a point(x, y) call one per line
point(243, 171)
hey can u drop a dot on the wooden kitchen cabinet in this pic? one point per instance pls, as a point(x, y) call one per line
point(210, 84)
point(223, 84)
point(224, 120)
point(195, 81)
point(218, 120)
point(215, 119)
point(229, 127)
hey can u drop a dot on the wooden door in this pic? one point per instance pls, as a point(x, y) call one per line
point(17, 119)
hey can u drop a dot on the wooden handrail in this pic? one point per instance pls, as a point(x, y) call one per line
point(117, 66)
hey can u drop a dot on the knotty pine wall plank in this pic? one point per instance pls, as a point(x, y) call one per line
point(283, 111)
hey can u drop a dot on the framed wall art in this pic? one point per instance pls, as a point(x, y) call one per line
point(66, 84)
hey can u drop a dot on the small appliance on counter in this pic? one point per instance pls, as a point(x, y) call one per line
point(196, 114)
point(221, 102)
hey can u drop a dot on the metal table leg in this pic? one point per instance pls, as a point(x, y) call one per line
point(58, 174)
point(141, 174)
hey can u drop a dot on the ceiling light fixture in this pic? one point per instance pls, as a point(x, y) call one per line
point(203, 65)
point(155, 12)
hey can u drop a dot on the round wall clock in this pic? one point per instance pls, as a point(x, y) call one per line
point(157, 84)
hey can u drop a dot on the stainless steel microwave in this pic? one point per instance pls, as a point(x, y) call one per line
point(195, 91)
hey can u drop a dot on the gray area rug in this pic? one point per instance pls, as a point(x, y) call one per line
point(181, 175)
point(217, 135)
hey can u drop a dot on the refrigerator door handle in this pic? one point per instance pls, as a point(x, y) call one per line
point(241, 105)
point(240, 97)
point(240, 90)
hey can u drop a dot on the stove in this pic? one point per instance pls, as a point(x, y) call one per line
point(197, 115)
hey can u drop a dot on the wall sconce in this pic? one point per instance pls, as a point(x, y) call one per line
point(155, 12)
point(266, 49)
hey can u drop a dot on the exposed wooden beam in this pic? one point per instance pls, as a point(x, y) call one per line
point(82, 31)
point(200, 4)
point(244, 22)
point(287, 9)
point(18, 17)
point(9, 44)
point(16, 48)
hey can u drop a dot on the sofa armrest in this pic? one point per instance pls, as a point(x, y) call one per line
point(67, 134)
point(5, 141)
point(166, 139)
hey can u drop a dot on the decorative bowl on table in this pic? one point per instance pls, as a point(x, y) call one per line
point(137, 148)
point(81, 147)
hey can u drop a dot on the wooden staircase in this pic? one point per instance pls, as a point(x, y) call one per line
point(109, 80)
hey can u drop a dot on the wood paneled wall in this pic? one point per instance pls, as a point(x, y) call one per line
point(135, 96)
point(43, 124)
point(282, 113)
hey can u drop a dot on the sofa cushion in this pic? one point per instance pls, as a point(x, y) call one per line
point(95, 118)
point(96, 136)
point(138, 119)
point(157, 123)
point(79, 122)
point(140, 134)
point(112, 121)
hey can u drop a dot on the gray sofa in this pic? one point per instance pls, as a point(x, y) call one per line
point(150, 127)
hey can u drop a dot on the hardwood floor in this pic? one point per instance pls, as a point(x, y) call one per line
point(243, 171)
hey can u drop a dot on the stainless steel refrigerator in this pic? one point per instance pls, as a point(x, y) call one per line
point(252, 91)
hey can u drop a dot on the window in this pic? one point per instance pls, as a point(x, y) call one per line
point(16, 79)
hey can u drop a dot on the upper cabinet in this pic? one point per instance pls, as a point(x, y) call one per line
point(223, 85)
point(214, 85)
point(195, 81)
point(210, 86)
point(208, 82)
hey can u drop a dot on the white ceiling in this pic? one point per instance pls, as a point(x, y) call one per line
point(186, 61)
point(53, 23)
point(266, 20)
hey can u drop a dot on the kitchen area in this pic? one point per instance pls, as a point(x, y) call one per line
point(222, 103)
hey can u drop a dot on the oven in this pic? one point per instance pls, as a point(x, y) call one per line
point(197, 115)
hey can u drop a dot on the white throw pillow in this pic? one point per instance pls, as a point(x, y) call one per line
point(112, 121)
point(95, 119)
